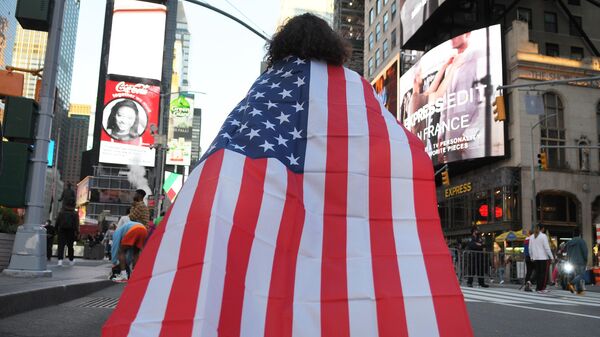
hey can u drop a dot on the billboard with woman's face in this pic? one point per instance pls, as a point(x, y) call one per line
point(129, 111)
point(446, 97)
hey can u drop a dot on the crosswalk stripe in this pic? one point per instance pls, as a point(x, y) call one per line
point(513, 296)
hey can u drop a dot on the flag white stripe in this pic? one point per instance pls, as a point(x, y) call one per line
point(149, 318)
point(362, 307)
point(260, 264)
point(208, 308)
point(418, 303)
point(307, 288)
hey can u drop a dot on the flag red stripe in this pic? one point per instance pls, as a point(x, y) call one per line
point(280, 308)
point(450, 309)
point(119, 323)
point(245, 219)
point(181, 307)
point(334, 285)
point(391, 316)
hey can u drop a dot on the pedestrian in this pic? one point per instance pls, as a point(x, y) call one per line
point(476, 258)
point(529, 265)
point(541, 255)
point(596, 255)
point(500, 264)
point(50, 234)
point(108, 239)
point(67, 225)
point(577, 253)
point(128, 241)
point(139, 212)
point(125, 218)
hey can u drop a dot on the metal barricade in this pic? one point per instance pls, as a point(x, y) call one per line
point(490, 267)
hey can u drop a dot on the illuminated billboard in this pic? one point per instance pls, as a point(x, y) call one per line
point(386, 87)
point(446, 97)
point(414, 13)
point(181, 118)
point(129, 111)
point(132, 88)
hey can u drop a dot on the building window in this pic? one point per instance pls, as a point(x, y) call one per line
point(553, 130)
point(575, 2)
point(377, 32)
point(552, 49)
point(370, 66)
point(393, 38)
point(393, 9)
point(524, 14)
point(573, 30)
point(371, 42)
point(385, 21)
point(378, 5)
point(371, 16)
point(377, 58)
point(386, 49)
point(576, 53)
point(550, 23)
point(554, 207)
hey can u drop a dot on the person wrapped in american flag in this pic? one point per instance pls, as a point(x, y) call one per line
point(313, 213)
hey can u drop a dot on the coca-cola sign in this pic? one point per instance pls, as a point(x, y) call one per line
point(137, 88)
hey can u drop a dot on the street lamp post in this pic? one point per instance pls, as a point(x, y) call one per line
point(533, 192)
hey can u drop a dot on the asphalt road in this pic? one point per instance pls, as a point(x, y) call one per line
point(493, 312)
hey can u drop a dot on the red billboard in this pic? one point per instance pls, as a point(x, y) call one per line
point(130, 109)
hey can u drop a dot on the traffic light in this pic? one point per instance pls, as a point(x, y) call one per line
point(20, 116)
point(445, 178)
point(542, 161)
point(498, 109)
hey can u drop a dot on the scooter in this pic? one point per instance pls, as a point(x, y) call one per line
point(566, 271)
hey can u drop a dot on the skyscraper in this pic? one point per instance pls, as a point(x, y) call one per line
point(321, 8)
point(348, 21)
point(29, 52)
point(75, 142)
point(8, 26)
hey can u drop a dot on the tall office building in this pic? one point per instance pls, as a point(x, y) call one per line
point(196, 128)
point(8, 27)
point(74, 145)
point(29, 52)
point(348, 21)
point(536, 41)
point(321, 8)
point(181, 51)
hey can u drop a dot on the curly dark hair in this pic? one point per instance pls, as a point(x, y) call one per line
point(309, 37)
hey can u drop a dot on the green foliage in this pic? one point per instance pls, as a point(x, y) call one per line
point(9, 220)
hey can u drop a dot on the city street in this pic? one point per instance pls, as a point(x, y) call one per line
point(497, 311)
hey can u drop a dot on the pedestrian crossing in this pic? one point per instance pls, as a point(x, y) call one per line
point(514, 296)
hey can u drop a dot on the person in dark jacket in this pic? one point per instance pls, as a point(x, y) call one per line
point(476, 258)
point(67, 226)
point(577, 253)
point(68, 195)
point(50, 233)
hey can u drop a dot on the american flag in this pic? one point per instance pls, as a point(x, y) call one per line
point(313, 213)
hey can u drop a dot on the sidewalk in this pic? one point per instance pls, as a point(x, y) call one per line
point(67, 283)
point(588, 287)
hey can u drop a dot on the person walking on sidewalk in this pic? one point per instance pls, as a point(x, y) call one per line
point(541, 255)
point(577, 253)
point(529, 265)
point(50, 234)
point(476, 259)
point(67, 225)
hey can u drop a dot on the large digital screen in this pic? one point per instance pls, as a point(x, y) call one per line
point(181, 118)
point(446, 97)
point(413, 13)
point(129, 111)
point(386, 87)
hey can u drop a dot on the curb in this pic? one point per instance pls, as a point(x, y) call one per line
point(16, 303)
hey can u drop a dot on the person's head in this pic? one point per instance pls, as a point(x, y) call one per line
point(539, 228)
point(309, 37)
point(461, 42)
point(139, 195)
point(113, 226)
point(69, 185)
point(474, 231)
point(576, 232)
point(124, 118)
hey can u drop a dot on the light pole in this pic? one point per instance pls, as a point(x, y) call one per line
point(29, 250)
point(533, 192)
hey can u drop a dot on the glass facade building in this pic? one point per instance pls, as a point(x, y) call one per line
point(8, 27)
